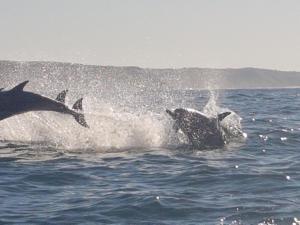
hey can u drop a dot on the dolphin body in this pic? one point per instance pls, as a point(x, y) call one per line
point(202, 131)
point(17, 101)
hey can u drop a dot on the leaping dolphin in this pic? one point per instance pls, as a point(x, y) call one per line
point(202, 131)
point(17, 101)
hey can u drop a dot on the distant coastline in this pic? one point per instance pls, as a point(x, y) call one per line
point(181, 78)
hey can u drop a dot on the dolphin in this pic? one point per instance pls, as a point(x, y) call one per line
point(17, 101)
point(201, 131)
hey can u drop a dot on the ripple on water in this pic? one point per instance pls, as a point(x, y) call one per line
point(254, 181)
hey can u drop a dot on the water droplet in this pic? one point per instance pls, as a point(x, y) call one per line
point(264, 137)
point(157, 197)
point(288, 177)
point(222, 221)
point(236, 166)
point(283, 138)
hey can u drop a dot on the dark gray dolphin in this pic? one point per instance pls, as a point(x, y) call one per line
point(202, 131)
point(17, 101)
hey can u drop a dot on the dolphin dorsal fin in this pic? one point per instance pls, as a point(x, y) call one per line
point(223, 115)
point(61, 97)
point(20, 87)
point(78, 104)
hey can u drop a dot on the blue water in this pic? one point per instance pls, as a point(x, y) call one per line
point(251, 181)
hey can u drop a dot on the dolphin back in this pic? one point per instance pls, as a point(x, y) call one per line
point(17, 101)
point(201, 130)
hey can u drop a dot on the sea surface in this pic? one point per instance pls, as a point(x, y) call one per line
point(130, 167)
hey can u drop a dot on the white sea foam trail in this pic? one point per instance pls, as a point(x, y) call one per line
point(109, 129)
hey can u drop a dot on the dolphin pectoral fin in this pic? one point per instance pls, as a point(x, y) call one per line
point(78, 104)
point(223, 115)
point(61, 97)
point(20, 87)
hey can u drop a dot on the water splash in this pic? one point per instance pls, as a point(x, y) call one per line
point(108, 129)
point(123, 110)
point(231, 124)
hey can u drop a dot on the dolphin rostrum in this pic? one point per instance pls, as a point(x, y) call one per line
point(201, 131)
point(17, 101)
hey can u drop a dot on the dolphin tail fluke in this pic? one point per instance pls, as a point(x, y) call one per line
point(79, 117)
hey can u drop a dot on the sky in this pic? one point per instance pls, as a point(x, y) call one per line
point(153, 33)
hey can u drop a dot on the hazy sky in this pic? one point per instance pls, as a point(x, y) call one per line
point(153, 33)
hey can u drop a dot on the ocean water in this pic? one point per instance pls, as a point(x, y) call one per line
point(131, 168)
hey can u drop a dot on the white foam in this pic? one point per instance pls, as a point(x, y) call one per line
point(108, 129)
